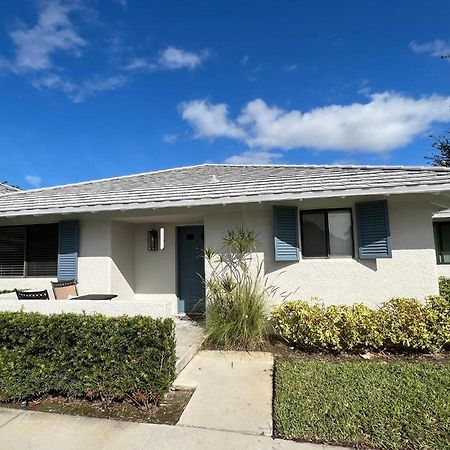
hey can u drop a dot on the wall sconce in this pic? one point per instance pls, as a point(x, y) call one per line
point(161, 238)
point(152, 240)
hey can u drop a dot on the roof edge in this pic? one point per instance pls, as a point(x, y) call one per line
point(12, 188)
point(401, 190)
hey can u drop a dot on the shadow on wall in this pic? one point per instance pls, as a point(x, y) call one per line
point(125, 271)
point(122, 256)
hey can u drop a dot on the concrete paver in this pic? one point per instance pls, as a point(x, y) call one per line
point(233, 392)
point(189, 336)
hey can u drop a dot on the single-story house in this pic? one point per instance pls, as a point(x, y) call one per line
point(343, 234)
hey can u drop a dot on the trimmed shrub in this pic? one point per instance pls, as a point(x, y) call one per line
point(404, 325)
point(310, 326)
point(91, 356)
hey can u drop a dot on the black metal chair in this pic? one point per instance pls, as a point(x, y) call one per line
point(63, 290)
point(32, 295)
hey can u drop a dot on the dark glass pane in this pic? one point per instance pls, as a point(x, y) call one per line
point(314, 234)
point(444, 239)
point(42, 250)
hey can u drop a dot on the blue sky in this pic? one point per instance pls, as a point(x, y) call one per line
point(93, 89)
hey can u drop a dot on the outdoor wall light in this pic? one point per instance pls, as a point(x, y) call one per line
point(161, 238)
point(152, 240)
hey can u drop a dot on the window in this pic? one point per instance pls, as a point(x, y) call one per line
point(30, 251)
point(442, 239)
point(327, 233)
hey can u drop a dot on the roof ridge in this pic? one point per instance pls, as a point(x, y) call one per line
point(343, 166)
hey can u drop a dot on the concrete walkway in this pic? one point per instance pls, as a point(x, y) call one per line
point(189, 336)
point(23, 430)
point(233, 392)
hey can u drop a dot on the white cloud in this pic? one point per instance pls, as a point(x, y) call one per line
point(33, 180)
point(345, 162)
point(253, 157)
point(53, 81)
point(437, 48)
point(54, 32)
point(385, 122)
point(244, 60)
point(140, 64)
point(170, 138)
point(122, 3)
point(290, 67)
point(78, 93)
point(210, 121)
point(169, 59)
point(177, 58)
point(97, 84)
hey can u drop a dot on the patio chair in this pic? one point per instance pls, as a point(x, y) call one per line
point(64, 289)
point(32, 295)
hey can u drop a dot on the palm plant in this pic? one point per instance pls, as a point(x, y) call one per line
point(236, 294)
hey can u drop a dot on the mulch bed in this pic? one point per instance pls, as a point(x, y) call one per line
point(167, 412)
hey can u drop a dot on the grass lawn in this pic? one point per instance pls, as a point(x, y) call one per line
point(395, 405)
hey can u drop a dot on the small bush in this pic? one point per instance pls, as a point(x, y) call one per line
point(399, 325)
point(236, 295)
point(310, 326)
point(444, 288)
point(94, 356)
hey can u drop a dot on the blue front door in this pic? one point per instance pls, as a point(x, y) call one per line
point(191, 269)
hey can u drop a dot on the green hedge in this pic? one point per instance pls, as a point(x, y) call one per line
point(89, 356)
point(400, 325)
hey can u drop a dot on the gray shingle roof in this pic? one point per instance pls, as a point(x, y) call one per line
point(6, 188)
point(222, 184)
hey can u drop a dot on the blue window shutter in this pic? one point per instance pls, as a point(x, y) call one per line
point(374, 237)
point(285, 231)
point(68, 250)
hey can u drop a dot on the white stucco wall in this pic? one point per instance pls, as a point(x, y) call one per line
point(94, 262)
point(109, 308)
point(443, 270)
point(411, 272)
point(155, 271)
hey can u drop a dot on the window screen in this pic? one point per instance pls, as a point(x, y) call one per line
point(340, 233)
point(12, 251)
point(327, 233)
